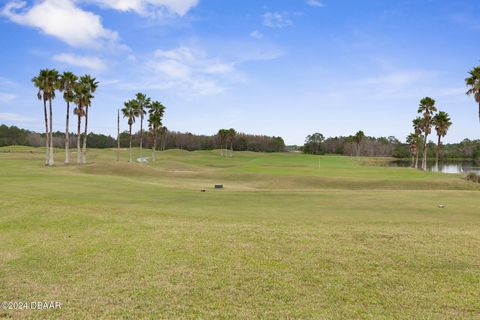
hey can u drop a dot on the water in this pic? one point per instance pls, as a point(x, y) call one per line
point(449, 166)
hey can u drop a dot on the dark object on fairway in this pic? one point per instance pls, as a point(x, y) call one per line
point(219, 186)
point(203, 190)
point(472, 176)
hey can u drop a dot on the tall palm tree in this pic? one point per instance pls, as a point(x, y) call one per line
point(155, 112)
point(474, 83)
point(427, 109)
point(66, 84)
point(91, 84)
point(51, 84)
point(442, 123)
point(358, 138)
point(413, 140)
point(82, 97)
point(130, 112)
point(39, 83)
point(143, 103)
point(163, 133)
point(417, 127)
point(222, 134)
point(231, 133)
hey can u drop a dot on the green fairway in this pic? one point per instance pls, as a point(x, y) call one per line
point(290, 236)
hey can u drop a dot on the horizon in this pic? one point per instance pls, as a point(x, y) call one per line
point(286, 69)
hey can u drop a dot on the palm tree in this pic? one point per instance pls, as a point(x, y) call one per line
point(442, 123)
point(413, 140)
point(417, 127)
point(155, 112)
point(143, 103)
point(163, 133)
point(66, 84)
point(474, 83)
point(46, 82)
point(39, 83)
point(82, 97)
point(130, 112)
point(358, 138)
point(231, 133)
point(426, 108)
point(91, 85)
point(222, 134)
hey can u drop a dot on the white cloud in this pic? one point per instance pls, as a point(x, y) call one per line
point(192, 70)
point(15, 117)
point(6, 97)
point(149, 7)
point(89, 62)
point(63, 20)
point(256, 34)
point(315, 3)
point(276, 20)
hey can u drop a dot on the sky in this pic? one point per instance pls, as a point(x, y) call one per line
point(286, 68)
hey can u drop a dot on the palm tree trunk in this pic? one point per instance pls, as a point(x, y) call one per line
point(141, 135)
point(154, 146)
point(85, 134)
point(413, 157)
point(231, 148)
point(416, 157)
point(79, 153)
point(424, 160)
point(51, 161)
point(130, 130)
point(437, 152)
point(67, 136)
point(47, 138)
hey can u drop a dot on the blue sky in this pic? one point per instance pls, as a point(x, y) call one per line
point(283, 67)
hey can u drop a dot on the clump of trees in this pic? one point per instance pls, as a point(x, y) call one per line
point(422, 127)
point(225, 139)
point(78, 90)
point(138, 107)
point(354, 145)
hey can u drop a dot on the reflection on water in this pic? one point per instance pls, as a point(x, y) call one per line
point(444, 166)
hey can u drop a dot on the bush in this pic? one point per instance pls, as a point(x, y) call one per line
point(472, 176)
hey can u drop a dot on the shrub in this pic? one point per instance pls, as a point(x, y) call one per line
point(472, 176)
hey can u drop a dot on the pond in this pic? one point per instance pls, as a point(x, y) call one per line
point(447, 166)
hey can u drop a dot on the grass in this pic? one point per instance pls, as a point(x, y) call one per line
point(286, 238)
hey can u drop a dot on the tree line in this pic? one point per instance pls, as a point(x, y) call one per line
point(12, 135)
point(386, 147)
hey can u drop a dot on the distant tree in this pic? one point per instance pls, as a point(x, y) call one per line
point(163, 133)
point(417, 127)
point(427, 109)
point(222, 134)
point(66, 84)
point(143, 103)
point(473, 82)
point(231, 133)
point(130, 112)
point(155, 115)
point(358, 138)
point(414, 141)
point(313, 143)
point(442, 123)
